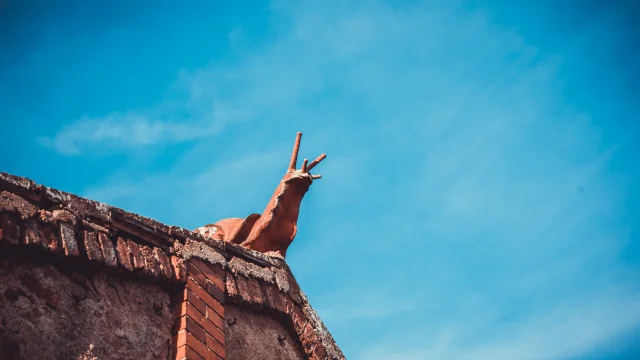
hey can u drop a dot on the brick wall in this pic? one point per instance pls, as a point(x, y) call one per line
point(198, 332)
point(201, 275)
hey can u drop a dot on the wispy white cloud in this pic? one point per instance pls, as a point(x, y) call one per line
point(156, 126)
point(122, 131)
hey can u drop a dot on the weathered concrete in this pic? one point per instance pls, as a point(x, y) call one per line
point(55, 313)
point(257, 336)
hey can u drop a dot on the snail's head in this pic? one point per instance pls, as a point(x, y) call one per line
point(301, 177)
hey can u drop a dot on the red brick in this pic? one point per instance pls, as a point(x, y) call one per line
point(204, 296)
point(214, 291)
point(68, 237)
point(256, 295)
point(107, 250)
point(188, 295)
point(135, 255)
point(319, 351)
point(189, 324)
point(289, 305)
point(220, 271)
point(186, 349)
point(296, 315)
point(91, 246)
point(178, 341)
point(215, 318)
point(30, 234)
point(274, 298)
point(163, 262)
point(187, 309)
point(308, 334)
point(179, 270)
point(269, 298)
point(298, 318)
point(213, 330)
point(151, 267)
point(217, 281)
point(10, 228)
point(13, 203)
point(243, 288)
point(186, 338)
point(216, 277)
point(214, 345)
point(49, 237)
point(122, 253)
point(187, 353)
point(230, 287)
point(195, 274)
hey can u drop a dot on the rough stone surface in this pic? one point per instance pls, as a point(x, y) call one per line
point(122, 254)
point(242, 267)
point(248, 288)
point(202, 251)
point(92, 247)
point(163, 262)
point(179, 271)
point(150, 225)
point(12, 202)
point(254, 255)
point(231, 288)
point(95, 227)
point(320, 331)
point(49, 237)
point(258, 336)
point(287, 283)
point(87, 208)
point(135, 255)
point(51, 313)
point(69, 242)
point(57, 216)
point(17, 181)
point(30, 233)
point(53, 195)
point(10, 228)
point(151, 265)
point(108, 251)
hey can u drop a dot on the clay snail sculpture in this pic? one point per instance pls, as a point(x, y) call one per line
point(274, 230)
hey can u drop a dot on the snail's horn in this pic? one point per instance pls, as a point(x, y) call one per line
point(316, 162)
point(294, 155)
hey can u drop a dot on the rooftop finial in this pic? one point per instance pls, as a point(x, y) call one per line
point(273, 231)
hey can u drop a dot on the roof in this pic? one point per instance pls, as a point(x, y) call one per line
point(83, 231)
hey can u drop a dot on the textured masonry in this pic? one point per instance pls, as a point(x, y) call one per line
point(199, 326)
point(203, 275)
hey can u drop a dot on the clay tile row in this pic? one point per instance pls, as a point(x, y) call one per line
point(62, 234)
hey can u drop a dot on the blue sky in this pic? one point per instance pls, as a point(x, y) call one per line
point(480, 198)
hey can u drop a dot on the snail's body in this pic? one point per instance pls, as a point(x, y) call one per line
point(273, 231)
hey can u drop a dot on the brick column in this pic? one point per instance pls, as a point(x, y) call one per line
point(198, 332)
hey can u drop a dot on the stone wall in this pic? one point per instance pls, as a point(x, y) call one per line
point(254, 335)
point(84, 280)
point(53, 311)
